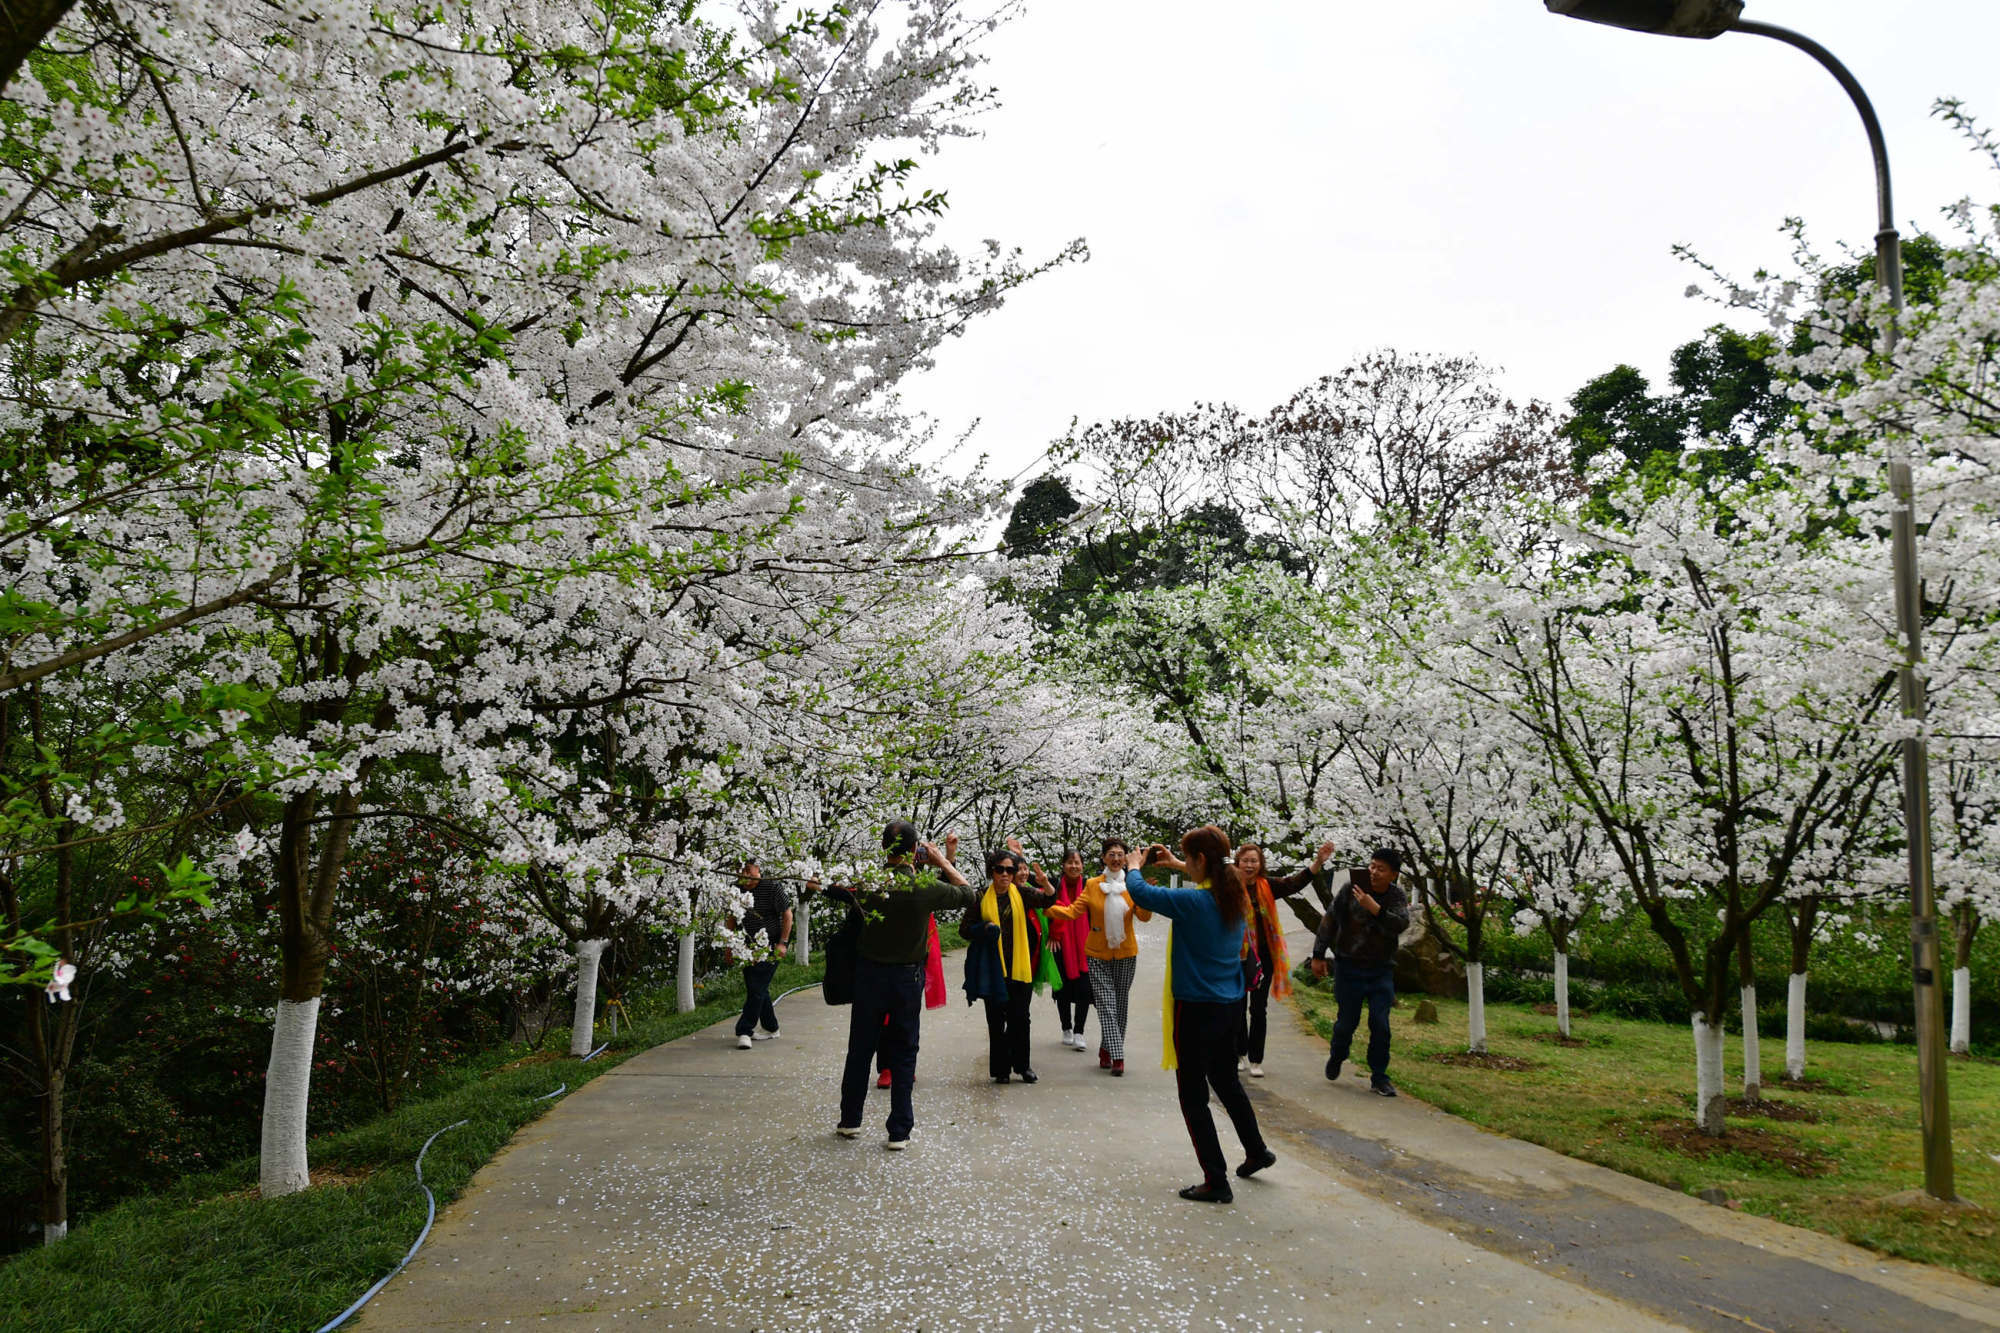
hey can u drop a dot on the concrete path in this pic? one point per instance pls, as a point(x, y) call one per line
point(698, 1186)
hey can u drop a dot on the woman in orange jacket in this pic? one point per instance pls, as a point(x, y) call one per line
point(1112, 948)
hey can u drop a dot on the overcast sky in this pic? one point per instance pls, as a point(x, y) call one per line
point(1270, 189)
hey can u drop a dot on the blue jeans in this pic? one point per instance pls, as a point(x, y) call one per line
point(757, 1006)
point(1355, 984)
point(897, 991)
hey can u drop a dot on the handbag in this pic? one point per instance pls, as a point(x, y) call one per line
point(842, 955)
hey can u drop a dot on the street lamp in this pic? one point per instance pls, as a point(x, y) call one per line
point(1711, 18)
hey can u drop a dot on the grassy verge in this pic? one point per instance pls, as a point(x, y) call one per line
point(1824, 1155)
point(210, 1255)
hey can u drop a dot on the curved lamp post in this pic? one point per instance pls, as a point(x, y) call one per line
point(1712, 18)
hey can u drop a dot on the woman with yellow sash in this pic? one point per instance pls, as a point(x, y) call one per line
point(1205, 998)
point(1002, 931)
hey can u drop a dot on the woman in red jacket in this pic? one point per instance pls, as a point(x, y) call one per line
point(1069, 940)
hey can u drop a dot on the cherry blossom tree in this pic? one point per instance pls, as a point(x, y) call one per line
point(358, 342)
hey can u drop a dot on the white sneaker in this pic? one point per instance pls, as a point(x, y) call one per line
point(1242, 1063)
point(761, 1035)
point(848, 1131)
point(1256, 1071)
point(743, 1042)
point(1066, 1039)
point(896, 1145)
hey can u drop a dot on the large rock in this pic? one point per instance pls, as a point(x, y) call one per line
point(1422, 966)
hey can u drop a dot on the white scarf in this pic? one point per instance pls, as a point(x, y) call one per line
point(1116, 904)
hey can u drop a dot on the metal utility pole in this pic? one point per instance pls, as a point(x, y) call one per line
point(1712, 18)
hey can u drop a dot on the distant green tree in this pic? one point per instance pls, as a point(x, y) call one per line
point(1722, 389)
point(1198, 548)
point(1045, 504)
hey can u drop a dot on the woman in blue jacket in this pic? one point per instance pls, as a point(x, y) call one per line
point(1205, 963)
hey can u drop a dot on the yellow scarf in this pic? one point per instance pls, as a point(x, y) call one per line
point(1019, 966)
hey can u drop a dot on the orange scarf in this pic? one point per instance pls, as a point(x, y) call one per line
point(1279, 965)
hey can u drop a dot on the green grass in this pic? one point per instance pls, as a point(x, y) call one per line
point(1609, 1100)
point(209, 1254)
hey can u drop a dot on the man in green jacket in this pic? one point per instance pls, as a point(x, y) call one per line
point(889, 974)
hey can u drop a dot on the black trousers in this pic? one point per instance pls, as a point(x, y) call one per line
point(1007, 1030)
point(1355, 985)
point(1205, 1055)
point(1073, 1002)
point(894, 991)
point(1256, 1021)
point(757, 998)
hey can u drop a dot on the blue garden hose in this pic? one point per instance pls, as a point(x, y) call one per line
point(804, 985)
point(430, 1216)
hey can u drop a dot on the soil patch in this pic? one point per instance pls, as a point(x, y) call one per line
point(322, 1177)
point(1810, 1084)
point(1483, 1060)
point(1771, 1110)
point(1558, 1039)
point(1547, 1009)
point(528, 1061)
point(1761, 1145)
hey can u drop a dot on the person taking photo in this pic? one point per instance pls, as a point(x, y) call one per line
point(888, 988)
point(1363, 930)
point(1205, 971)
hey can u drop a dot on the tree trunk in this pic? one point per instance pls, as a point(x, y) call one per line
point(1753, 1060)
point(1753, 1057)
point(1795, 1027)
point(684, 973)
point(1475, 1011)
point(1709, 1103)
point(802, 933)
point(1961, 1011)
point(281, 1165)
point(1966, 926)
point(24, 24)
point(583, 1018)
point(1562, 994)
point(55, 1160)
point(308, 887)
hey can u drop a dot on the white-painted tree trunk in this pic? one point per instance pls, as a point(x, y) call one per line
point(1475, 1010)
point(684, 973)
point(583, 1018)
point(53, 1232)
point(1562, 994)
point(802, 934)
point(1753, 1056)
point(1708, 1096)
point(1961, 1011)
point(281, 1157)
point(1795, 1026)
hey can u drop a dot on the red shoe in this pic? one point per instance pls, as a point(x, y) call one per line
point(1118, 1068)
point(882, 1079)
point(1103, 1058)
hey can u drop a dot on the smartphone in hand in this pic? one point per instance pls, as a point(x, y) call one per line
point(1358, 876)
point(923, 856)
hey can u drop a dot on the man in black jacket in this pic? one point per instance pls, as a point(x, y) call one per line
point(1362, 930)
point(889, 974)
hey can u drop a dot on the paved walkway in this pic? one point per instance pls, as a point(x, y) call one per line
point(698, 1186)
